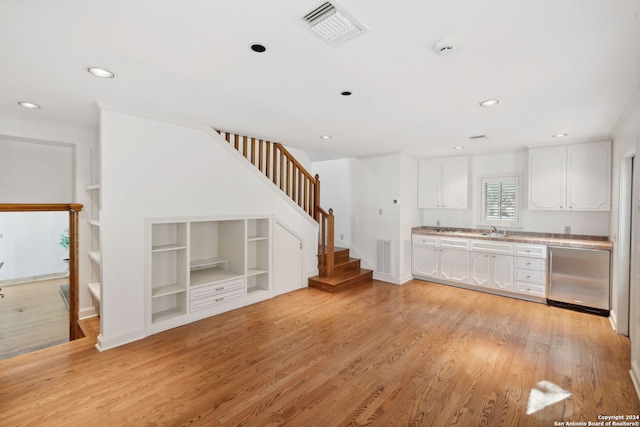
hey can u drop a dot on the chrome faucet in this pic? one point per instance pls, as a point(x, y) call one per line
point(494, 229)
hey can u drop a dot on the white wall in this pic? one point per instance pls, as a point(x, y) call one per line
point(51, 148)
point(156, 169)
point(590, 223)
point(627, 140)
point(30, 245)
point(362, 193)
point(35, 172)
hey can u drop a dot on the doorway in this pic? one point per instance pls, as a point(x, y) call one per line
point(63, 288)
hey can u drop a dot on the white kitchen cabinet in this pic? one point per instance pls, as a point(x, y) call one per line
point(454, 264)
point(443, 182)
point(492, 270)
point(441, 258)
point(574, 177)
point(530, 270)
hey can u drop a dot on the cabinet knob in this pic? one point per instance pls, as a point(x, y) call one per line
point(561, 206)
point(528, 263)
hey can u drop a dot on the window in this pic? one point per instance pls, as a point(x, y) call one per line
point(500, 200)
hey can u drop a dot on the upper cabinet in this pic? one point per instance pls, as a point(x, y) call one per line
point(574, 177)
point(443, 182)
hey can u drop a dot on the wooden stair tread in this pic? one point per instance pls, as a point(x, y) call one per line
point(343, 281)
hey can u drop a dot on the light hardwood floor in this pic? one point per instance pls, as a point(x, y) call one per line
point(32, 316)
point(418, 354)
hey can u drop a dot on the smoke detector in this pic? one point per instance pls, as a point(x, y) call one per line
point(445, 46)
point(332, 24)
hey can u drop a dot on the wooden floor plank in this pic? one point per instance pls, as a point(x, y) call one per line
point(417, 354)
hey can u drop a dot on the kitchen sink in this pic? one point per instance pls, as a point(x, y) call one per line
point(494, 234)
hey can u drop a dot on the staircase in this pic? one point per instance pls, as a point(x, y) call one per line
point(337, 270)
point(347, 273)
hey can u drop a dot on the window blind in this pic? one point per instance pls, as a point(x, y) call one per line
point(500, 199)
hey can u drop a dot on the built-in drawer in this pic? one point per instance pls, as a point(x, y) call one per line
point(492, 247)
point(454, 243)
point(206, 296)
point(531, 289)
point(530, 276)
point(531, 263)
point(536, 251)
point(418, 239)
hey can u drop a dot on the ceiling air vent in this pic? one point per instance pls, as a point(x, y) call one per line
point(332, 24)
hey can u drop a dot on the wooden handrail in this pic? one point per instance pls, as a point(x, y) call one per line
point(284, 170)
point(327, 243)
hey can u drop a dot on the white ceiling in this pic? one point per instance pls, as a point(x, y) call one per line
point(559, 66)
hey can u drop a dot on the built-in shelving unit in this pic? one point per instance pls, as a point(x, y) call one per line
point(203, 266)
point(94, 250)
point(168, 270)
point(257, 256)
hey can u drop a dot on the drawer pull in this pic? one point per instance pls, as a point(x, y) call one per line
point(219, 289)
point(219, 299)
point(528, 263)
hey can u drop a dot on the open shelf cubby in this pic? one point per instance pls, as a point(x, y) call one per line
point(168, 270)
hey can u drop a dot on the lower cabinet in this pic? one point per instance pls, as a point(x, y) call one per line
point(430, 260)
point(454, 265)
point(492, 271)
point(499, 265)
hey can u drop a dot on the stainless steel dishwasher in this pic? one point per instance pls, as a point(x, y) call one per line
point(579, 279)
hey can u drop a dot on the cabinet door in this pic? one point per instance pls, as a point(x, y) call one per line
point(425, 261)
point(547, 178)
point(589, 177)
point(454, 265)
point(455, 179)
point(502, 272)
point(429, 183)
point(480, 271)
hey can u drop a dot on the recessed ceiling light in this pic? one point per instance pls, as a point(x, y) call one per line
point(326, 137)
point(258, 48)
point(346, 93)
point(560, 135)
point(29, 105)
point(101, 72)
point(490, 102)
point(458, 147)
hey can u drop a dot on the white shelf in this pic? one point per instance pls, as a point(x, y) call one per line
point(211, 275)
point(256, 238)
point(95, 222)
point(199, 264)
point(165, 248)
point(255, 272)
point(95, 255)
point(167, 290)
point(166, 314)
point(256, 291)
point(94, 288)
point(93, 187)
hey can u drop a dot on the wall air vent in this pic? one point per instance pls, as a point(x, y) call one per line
point(383, 256)
point(332, 24)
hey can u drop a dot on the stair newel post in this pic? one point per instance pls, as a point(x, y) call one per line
point(330, 243)
point(316, 199)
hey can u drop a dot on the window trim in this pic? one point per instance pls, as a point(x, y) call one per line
point(518, 193)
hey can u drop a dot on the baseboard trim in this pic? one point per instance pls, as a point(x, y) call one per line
point(86, 313)
point(635, 378)
point(390, 279)
point(106, 343)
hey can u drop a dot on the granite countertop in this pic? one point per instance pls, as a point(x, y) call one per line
point(551, 239)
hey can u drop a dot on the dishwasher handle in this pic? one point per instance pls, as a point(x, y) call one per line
point(550, 271)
